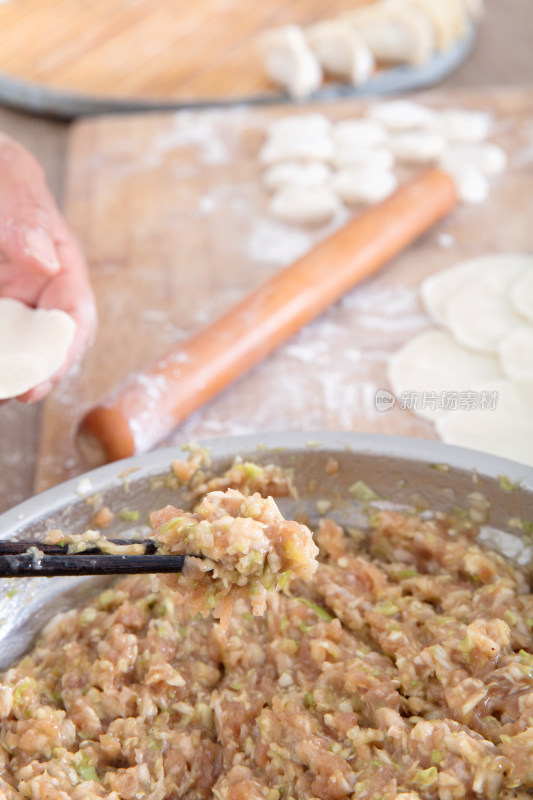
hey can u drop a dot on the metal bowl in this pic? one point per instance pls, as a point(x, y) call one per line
point(402, 471)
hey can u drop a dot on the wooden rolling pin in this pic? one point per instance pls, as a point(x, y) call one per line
point(141, 412)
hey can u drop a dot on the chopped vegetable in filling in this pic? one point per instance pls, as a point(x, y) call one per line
point(249, 549)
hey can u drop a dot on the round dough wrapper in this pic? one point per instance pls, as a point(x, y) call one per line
point(437, 289)
point(395, 31)
point(521, 294)
point(341, 51)
point(418, 147)
point(459, 125)
point(33, 345)
point(295, 125)
point(354, 156)
point(443, 20)
point(506, 431)
point(304, 205)
point(435, 363)
point(516, 354)
point(404, 115)
point(472, 186)
point(309, 148)
point(488, 158)
point(367, 185)
point(297, 173)
point(359, 133)
point(478, 313)
point(290, 62)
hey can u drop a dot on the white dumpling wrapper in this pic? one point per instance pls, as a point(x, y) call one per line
point(294, 126)
point(478, 313)
point(342, 52)
point(438, 288)
point(359, 133)
point(366, 185)
point(506, 431)
point(33, 345)
point(296, 173)
point(395, 31)
point(304, 205)
point(290, 62)
point(434, 363)
point(488, 158)
point(404, 115)
point(458, 16)
point(418, 147)
point(312, 148)
point(445, 20)
point(521, 294)
point(471, 184)
point(461, 125)
point(355, 156)
point(516, 354)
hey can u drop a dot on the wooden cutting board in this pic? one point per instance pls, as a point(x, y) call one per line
point(172, 216)
point(71, 57)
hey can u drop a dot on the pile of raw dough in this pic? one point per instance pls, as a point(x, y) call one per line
point(485, 345)
point(314, 166)
point(33, 345)
point(349, 48)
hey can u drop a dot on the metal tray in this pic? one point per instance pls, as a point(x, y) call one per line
point(64, 104)
point(400, 470)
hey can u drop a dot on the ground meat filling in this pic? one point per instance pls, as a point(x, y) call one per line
point(403, 670)
point(249, 549)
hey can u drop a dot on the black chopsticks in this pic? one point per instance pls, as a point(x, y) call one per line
point(35, 559)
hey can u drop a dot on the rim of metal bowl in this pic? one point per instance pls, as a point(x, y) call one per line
point(147, 464)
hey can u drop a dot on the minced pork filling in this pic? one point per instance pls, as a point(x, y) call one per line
point(249, 549)
point(401, 670)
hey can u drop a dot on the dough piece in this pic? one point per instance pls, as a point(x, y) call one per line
point(359, 133)
point(304, 205)
point(290, 62)
point(418, 147)
point(488, 158)
point(296, 173)
point(395, 31)
point(367, 185)
point(434, 363)
point(319, 148)
point(472, 186)
point(506, 431)
point(459, 125)
point(294, 126)
point(478, 313)
point(436, 290)
point(521, 293)
point(443, 19)
point(457, 15)
point(342, 52)
point(516, 354)
point(353, 156)
point(440, 287)
point(404, 115)
point(33, 345)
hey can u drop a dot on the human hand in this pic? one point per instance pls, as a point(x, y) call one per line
point(41, 263)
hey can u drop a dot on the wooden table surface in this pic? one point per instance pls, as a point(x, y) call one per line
point(503, 56)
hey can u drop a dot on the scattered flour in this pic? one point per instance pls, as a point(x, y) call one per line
point(273, 242)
